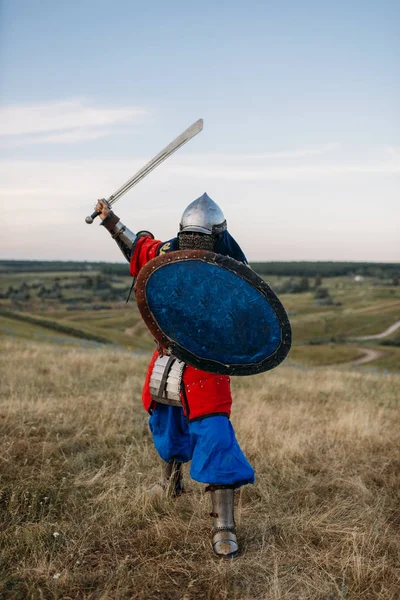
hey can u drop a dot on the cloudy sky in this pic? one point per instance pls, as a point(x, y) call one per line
point(301, 139)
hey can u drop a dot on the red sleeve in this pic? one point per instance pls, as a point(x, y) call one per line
point(145, 249)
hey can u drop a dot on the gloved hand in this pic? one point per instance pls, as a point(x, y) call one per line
point(102, 208)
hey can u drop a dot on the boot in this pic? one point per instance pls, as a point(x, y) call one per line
point(172, 479)
point(171, 482)
point(223, 536)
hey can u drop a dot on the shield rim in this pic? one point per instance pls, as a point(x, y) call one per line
point(232, 265)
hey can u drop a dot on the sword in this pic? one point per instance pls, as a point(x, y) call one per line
point(152, 164)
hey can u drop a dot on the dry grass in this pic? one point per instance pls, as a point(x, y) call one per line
point(321, 522)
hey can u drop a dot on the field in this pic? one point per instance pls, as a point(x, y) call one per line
point(321, 522)
point(88, 306)
point(323, 432)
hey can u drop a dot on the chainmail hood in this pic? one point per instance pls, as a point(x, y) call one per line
point(188, 241)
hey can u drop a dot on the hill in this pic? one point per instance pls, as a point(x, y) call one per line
point(279, 268)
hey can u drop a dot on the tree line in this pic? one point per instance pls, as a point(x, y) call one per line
point(327, 269)
point(277, 268)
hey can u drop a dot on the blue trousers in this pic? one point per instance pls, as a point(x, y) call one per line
point(209, 443)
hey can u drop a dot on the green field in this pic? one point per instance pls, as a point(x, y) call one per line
point(76, 519)
point(87, 305)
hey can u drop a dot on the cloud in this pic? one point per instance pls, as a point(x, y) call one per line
point(65, 137)
point(96, 178)
point(282, 211)
point(66, 121)
point(278, 155)
point(310, 164)
point(393, 150)
point(268, 173)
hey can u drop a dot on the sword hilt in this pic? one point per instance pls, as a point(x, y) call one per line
point(89, 220)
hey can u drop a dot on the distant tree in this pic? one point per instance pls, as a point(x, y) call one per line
point(322, 297)
point(321, 292)
point(101, 283)
point(42, 293)
point(377, 272)
point(304, 284)
point(293, 286)
point(318, 281)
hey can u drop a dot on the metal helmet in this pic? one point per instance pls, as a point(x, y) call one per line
point(203, 216)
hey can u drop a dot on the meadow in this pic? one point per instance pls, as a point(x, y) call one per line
point(321, 521)
point(77, 460)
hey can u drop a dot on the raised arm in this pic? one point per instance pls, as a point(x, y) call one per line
point(124, 237)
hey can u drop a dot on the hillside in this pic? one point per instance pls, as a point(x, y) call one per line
point(321, 522)
point(84, 304)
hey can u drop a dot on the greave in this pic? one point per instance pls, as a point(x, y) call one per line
point(224, 541)
point(172, 479)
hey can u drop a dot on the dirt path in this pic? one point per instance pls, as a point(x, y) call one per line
point(368, 356)
point(377, 336)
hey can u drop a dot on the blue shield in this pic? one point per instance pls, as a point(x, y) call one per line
point(213, 312)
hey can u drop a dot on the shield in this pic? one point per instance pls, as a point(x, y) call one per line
point(213, 312)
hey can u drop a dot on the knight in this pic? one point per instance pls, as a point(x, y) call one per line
point(190, 418)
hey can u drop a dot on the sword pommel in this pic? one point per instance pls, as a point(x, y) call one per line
point(89, 220)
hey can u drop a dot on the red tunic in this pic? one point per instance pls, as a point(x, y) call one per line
point(204, 393)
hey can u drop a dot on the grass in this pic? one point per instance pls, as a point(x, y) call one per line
point(321, 522)
point(15, 328)
point(390, 361)
point(363, 311)
point(323, 354)
point(120, 327)
point(362, 308)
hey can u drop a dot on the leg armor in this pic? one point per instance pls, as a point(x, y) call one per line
point(224, 541)
point(172, 479)
point(171, 482)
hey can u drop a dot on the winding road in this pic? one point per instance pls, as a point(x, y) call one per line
point(370, 354)
point(377, 336)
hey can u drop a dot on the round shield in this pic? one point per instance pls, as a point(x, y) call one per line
point(213, 312)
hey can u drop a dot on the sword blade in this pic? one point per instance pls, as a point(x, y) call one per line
point(184, 137)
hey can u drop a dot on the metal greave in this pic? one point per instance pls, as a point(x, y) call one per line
point(224, 540)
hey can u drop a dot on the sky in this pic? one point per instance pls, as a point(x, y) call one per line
point(301, 139)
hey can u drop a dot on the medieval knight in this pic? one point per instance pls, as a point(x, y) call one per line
point(189, 408)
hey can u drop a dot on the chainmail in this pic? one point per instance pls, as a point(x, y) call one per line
point(188, 241)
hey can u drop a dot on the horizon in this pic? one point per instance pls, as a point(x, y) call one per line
point(301, 139)
point(124, 262)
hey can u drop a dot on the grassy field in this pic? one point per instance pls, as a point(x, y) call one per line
point(93, 305)
point(320, 523)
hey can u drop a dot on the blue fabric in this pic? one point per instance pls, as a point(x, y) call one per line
point(225, 245)
point(209, 443)
point(170, 432)
point(217, 457)
point(228, 246)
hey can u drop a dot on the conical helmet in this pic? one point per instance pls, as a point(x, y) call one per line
point(204, 216)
